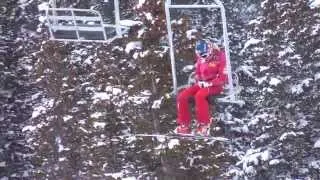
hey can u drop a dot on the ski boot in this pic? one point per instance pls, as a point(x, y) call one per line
point(182, 129)
point(204, 129)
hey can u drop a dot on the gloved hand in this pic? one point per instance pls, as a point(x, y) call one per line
point(204, 84)
point(215, 46)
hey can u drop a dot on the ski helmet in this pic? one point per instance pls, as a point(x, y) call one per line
point(204, 49)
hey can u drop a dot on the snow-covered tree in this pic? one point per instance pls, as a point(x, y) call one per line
point(281, 65)
point(68, 109)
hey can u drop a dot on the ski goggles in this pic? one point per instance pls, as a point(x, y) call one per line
point(204, 55)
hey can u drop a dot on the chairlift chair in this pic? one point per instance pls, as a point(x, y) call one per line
point(82, 25)
point(232, 86)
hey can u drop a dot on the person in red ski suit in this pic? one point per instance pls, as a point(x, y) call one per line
point(210, 79)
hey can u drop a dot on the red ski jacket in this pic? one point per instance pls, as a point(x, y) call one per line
point(212, 70)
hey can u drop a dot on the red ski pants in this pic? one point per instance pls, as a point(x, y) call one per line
point(201, 100)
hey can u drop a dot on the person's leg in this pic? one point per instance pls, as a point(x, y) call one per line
point(202, 104)
point(183, 112)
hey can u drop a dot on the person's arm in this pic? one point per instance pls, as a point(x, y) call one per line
point(197, 70)
point(221, 76)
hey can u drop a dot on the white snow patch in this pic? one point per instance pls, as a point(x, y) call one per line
point(264, 3)
point(250, 42)
point(88, 60)
point(274, 81)
point(112, 94)
point(36, 96)
point(82, 121)
point(130, 139)
point(254, 21)
point(138, 99)
point(192, 159)
point(314, 3)
point(29, 128)
point(83, 129)
point(3, 164)
point(262, 137)
point(303, 170)
point(37, 111)
point(59, 144)
point(144, 53)
point(261, 80)
point(173, 142)
point(115, 175)
point(133, 45)
point(101, 96)
point(317, 144)
point(297, 89)
point(263, 68)
point(285, 135)
point(149, 16)
point(146, 93)
point(99, 124)
point(100, 143)
point(256, 120)
point(62, 159)
point(161, 139)
point(285, 51)
point(42, 19)
point(306, 82)
point(246, 69)
point(129, 178)
point(315, 164)
point(188, 68)
point(250, 170)
point(265, 155)
point(296, 56)
point(286, 63)
point(315, 31)
point(113, 90)
point(129, 23)
point(156, 104)
point(274, 162)
point(43, 6)
point(180, 21)
point(143, 97)
point(135, 55)
point(140, 33)
point(140, 3)
point(317, 76)
point(190, 34)
point(252, 156)
point(96, 115)
point(302, 123)
point(90, 23)
point(67, 118)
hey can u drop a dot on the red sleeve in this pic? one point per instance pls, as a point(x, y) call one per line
point(197, 70)
point(221, 78)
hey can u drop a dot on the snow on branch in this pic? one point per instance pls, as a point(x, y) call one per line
point(314, 4)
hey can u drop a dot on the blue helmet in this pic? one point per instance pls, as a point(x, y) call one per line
point(203, 48)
